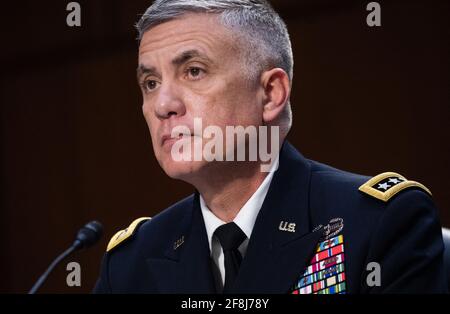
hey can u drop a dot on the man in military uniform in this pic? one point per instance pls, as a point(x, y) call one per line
point(303, 227)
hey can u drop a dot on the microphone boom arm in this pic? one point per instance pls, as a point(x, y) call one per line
point(87, 236)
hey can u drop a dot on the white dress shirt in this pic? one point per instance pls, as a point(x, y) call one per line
point(245, 219)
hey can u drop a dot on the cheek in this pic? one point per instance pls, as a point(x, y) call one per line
point(240, 107)
point(152, 127)
point(146, 113)
point(230, 101)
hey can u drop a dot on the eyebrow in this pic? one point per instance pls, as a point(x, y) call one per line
point(188, 55)
point(143, 70)
point(177, 61)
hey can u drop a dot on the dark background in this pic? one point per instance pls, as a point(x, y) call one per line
point(75, 146)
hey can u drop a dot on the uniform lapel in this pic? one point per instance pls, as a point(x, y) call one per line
point(275, 258)
point(279, 251)
point(186, 266)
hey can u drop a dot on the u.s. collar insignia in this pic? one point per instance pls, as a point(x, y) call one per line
point(287, 226)
point(384, 186)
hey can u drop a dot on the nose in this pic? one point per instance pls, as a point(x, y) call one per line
point(169, 102)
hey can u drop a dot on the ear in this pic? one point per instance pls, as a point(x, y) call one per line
point(277, 90)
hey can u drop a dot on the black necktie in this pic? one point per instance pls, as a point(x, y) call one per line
point(230, 237)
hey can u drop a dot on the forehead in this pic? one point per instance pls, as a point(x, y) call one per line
point(203, 32)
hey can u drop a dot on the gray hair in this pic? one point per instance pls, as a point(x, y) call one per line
point(262, 32)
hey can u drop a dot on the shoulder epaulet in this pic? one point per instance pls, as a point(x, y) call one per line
point(384, 186)
point(122, 235)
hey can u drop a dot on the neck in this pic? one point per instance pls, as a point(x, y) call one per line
point(227, 190)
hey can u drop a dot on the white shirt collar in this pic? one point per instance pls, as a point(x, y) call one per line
point(246, 217)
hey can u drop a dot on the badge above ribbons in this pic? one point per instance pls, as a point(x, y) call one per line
point(326, 271)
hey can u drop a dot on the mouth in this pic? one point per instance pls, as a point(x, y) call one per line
point(169, 139)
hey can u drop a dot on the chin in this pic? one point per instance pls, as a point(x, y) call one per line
point(183, 170)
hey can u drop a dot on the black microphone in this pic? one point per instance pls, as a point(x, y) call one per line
point(86, 237)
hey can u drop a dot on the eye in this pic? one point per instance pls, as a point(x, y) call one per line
point(149, 85)
point(195, 73)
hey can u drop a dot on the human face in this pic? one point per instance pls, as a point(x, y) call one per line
point(190, 68)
